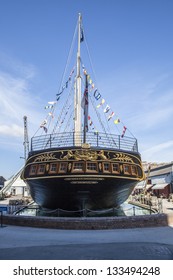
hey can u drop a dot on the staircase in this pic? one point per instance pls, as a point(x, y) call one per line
point(10, 182)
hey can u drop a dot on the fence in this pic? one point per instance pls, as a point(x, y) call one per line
point(69, 139)
point(130, 210)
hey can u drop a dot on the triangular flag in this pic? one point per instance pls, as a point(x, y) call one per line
point(111, 115)
point(116, 121)
point(101, 103)
point(107, 108)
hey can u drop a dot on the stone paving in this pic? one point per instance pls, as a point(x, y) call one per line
point(28, 243)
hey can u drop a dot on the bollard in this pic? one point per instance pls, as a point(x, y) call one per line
point(1, 218)
point(133, 211)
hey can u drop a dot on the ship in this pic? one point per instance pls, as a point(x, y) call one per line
point(81, 167)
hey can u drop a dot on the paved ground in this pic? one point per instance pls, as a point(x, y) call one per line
point(119, 244)
point(35, 243)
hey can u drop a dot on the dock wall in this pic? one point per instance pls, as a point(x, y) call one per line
point(155, 220)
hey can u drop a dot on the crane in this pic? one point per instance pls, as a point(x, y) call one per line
point(26, 141)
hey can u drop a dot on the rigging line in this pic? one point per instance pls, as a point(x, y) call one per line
point(108, 127)
point(121, 122)
point(62, 121)
point(63, 109)
point(70, 81)
point(69, 121)
point(65, 69)
point(90, 60)
point(110, 133)
point(69, 56)
point(98, 115)
point(95, 78)
point(106, 121)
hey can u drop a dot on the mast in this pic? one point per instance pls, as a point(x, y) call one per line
point(77, 101)
point(85, 109)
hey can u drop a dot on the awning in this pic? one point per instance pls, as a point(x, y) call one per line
point(141, 187)
point(159, 186)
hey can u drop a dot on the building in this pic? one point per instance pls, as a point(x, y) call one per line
point(161, 179)
point(16, 187)
point(2, 180)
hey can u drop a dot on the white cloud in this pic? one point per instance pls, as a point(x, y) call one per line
point(11, 130)
point(161, 152)
point(16, 102)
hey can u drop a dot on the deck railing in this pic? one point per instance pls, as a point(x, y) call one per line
point(69, 139)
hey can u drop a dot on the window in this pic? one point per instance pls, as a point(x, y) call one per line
point(134, 170)
point(106, 167)
point(127, 169)
point(41, 169)
point(78, 167)
point(33, 170)
point(115, 168)
point(91, 167)
point(53, 168)
point(63, 167)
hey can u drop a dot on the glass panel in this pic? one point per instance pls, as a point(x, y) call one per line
point(41, 168)
point(126, 169)
point(33, 170)
point(115, 168)
point(91, 166)
point(134, 170)
point(63, 167)
point(53, 168)
point(78, 166)
point(106, 167)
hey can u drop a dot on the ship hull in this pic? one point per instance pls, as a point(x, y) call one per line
point(76, 179)
point(57, 193)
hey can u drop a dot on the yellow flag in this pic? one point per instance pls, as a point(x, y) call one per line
point(116, 121)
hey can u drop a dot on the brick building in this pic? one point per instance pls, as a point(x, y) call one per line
point(161, 179)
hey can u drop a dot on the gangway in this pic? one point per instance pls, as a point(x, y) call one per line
point(9, 184)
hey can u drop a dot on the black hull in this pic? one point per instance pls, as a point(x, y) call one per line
point(53, 194)
point(93, 178)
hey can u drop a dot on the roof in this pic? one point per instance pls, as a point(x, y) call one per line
point(164, 169)
point(141, 186)
point(159, 186)
point(2, 180)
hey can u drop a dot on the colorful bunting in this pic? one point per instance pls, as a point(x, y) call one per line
point(48, 107)
point(51, 114)
point(124, 130)
point(97, 95)
point(43, 123)
point(66, 83)
point(116, 121)
point(81, 35)
point(110, 116)
point(45, 129)
point(52, 102)
point(107, 108)
point(86, 106)
point(101, 103)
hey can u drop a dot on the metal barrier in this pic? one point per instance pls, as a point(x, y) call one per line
point(37, 211)
point(1, 218)
point(67, 139)
point(2, 208)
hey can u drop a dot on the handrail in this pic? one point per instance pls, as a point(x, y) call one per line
point(66, 139)
point(10, 182)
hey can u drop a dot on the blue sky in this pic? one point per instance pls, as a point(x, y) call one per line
point(131, 45)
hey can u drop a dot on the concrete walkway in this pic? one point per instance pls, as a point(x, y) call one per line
point(120, 244)
point(167, 206)
point(26, 243)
